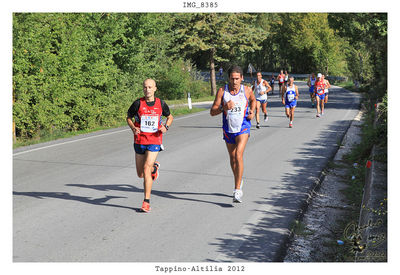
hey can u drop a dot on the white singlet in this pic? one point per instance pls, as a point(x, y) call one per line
point(235, 116)
point(260, 88)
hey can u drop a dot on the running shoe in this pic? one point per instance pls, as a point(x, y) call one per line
point(237, 196)
point(322, 113)
point(318, 115)
point(145, 207)
point(258, 126)
point(265, 118)
point(290, 125)
point(155, 173)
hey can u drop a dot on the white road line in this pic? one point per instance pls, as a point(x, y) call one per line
point(106, 134)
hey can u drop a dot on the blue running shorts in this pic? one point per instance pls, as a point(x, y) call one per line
point(141, 149)
point(230, 137)
point(290, 105)
point(262, 101)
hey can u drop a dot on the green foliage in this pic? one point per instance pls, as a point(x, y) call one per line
point(367, 56)
point(229, 34)
point(219, 37)
point(172, 81)
point(301, 43)
point(83, 70)
point(76, 71)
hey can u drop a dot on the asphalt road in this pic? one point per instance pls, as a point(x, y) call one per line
point(78, 199)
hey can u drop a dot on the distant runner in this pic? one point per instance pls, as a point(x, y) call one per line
point(281, 81)
point(261, 88)
point(272, 83)
point(319, 88)
point(148, 132)
point(311, 83)
point(286, 77)
point(236, 102)
point(289, 99)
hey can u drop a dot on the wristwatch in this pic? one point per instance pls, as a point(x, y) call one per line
point(166, 127)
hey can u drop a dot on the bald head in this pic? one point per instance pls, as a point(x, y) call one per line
point(149, 81)
point(149, 88)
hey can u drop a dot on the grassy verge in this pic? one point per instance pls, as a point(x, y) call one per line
point(355, 175)
point(184, 101)
point(58, 134)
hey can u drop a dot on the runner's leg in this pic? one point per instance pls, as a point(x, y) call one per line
point(322, 105)
point(147, 169)
point(292, 113)
point(287, 112)
point(264, 107)
point(258, 103)
point(139, 159)
point(236, 156)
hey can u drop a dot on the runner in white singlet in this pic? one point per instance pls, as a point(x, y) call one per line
point(260, 89)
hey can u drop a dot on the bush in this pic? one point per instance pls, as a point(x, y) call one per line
point(173, 81)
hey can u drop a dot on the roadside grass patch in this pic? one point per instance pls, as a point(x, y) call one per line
point(46, 136)
point(299, 228)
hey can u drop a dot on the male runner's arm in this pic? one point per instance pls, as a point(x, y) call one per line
point(283, 92)
point(164, 128)
point(297, 92)
point(216, 107)
point(166, 112)
point(132, 112)
point(252, 100)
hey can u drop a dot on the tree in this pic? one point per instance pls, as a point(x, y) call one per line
point(305, 42)
point(220, 36)
point(367, 35)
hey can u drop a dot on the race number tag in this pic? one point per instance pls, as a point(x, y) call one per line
point(149, 124)
point(290, 97)
point(236, 111)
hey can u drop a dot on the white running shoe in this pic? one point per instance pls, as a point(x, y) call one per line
point(265, 118)
point(237, 196)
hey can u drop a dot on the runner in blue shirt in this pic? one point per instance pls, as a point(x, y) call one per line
point(236, 102)
point(289, 99)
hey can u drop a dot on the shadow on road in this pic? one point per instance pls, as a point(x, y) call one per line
point(123, 188)
point(67, 196)
point(269, 237)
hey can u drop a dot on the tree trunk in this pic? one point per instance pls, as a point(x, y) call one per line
point(212, 73)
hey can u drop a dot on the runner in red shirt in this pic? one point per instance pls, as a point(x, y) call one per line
point(148, 131)
point(319, 93)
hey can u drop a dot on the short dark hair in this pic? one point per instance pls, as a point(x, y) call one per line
point(235, 69)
